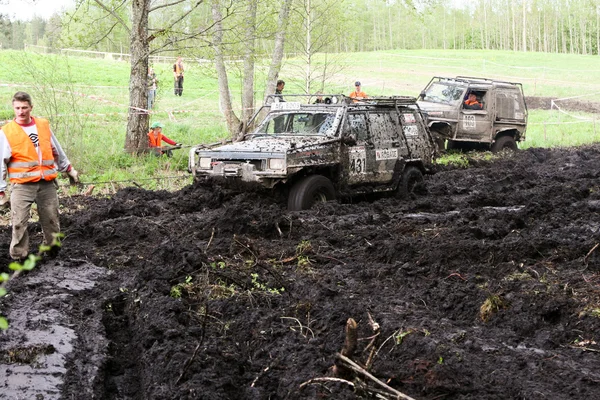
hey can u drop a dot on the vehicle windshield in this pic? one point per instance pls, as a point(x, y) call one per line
point(445, 92)
point(298, 123)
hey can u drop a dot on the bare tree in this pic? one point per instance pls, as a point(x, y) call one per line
point(140, 39)
point(238, 125)
point(280, 36)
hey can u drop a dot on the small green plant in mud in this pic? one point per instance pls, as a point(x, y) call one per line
point(303, 247)
point(176, 290)
point(259, 286)
point(590, 311)
point(218, 265)
point(27, 265)
point(491, 306)
point(399, 337)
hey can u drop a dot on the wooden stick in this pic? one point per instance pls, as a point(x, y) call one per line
point(326, 379)
point(187, 364)
point(212, 235)
point(359, 370)
point(590, 252)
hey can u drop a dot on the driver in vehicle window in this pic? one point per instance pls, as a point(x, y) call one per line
point(471, 103)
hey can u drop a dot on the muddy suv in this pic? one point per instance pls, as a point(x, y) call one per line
point(339, 147)
point(496, 121)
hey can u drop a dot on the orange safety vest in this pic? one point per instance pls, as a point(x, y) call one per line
point(154, 141)
point(178, 68)
point(25, 164)
point(472, 102)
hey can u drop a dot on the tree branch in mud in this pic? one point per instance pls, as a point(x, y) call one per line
point(187, 364)
point(348, 363)
point(350, 344)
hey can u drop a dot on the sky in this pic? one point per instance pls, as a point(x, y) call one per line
point(25, 10)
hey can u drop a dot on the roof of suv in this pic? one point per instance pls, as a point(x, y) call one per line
point(337, 100)
point(482, 82)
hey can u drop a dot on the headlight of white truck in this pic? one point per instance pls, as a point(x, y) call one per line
point(276, 163)
point(204, 163)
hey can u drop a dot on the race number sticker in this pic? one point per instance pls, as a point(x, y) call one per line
point(358, 160)
point(410, 130)
point(386, 154)
point(469, 122)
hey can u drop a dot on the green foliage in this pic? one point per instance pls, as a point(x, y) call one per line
point(259, 286)
point(177, 290)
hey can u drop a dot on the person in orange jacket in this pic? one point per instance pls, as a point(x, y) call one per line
point(471, 103)
point(155, 139)
point(358, 94)
point(31, 157)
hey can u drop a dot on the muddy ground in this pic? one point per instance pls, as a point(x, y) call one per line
point(484, 286)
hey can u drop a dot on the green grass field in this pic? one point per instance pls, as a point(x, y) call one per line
point(86, 100)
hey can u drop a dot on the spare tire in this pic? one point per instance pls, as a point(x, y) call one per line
point(308, 191)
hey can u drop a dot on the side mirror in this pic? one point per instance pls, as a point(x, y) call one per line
point(422, 94)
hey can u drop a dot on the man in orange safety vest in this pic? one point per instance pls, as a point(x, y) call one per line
point(31, 158)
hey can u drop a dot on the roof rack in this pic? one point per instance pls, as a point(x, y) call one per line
point(486, 80)
point(339, 99)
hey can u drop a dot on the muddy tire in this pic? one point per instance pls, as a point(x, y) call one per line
point(411, 178)
point(504, 143)
point(309, 191)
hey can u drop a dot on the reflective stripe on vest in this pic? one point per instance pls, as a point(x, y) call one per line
point(26, 165)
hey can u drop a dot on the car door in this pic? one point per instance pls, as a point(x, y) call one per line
point(383, 137)
point(475, 125)
point(360, 152)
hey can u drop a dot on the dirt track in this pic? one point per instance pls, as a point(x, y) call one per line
point(269, 292)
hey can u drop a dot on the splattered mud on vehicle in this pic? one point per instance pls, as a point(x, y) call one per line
point(306, 152)
point(484, 287)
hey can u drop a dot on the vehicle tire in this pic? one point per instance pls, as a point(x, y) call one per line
point(411, 178)
point(310, 190)
point(504, 143)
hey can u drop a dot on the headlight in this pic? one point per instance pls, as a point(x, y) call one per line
point(276, 163)
point(205, 163)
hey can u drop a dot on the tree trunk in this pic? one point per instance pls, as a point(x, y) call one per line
point(137, 120)
point(280, 35)
point(233, 122)
point(248, 80)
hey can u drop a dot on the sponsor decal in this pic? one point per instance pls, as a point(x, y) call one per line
point(386, 154)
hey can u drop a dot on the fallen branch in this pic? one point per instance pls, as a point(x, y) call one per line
point(364, 373)
point(187, 364)
point(212, 235)
point(317, 380)
point(348, 349)
point(589, 253)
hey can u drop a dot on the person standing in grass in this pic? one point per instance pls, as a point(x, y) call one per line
point(32, 157)
point(178, 75)
point(155, 139)
point(151, 87)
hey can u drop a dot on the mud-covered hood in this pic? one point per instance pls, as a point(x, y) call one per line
point(279, 144)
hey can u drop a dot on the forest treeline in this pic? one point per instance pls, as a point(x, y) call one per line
point(558, 26)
